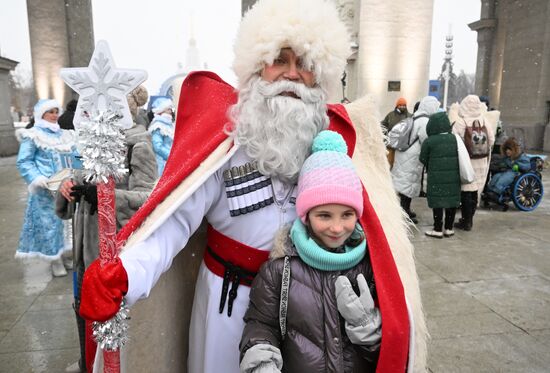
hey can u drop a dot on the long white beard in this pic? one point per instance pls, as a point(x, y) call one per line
point(277, 131)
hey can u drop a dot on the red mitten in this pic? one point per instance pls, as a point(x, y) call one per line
point(102, 290)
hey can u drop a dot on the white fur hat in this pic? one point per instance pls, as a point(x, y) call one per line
point(311, 28)
point(44, 105)
point(161, 104)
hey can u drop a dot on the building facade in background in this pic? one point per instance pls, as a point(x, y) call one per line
point(513, 66)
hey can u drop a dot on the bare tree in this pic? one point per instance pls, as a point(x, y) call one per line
point(465, 85)
point(22, 91)
point(459, 86)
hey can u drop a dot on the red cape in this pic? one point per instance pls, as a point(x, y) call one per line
point(202, 114)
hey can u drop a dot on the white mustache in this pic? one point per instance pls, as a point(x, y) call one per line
point(304, 93)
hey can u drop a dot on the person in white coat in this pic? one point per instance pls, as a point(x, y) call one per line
point(407, 169)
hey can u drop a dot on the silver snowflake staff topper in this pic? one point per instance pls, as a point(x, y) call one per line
point(102, 86)
point(102, 146)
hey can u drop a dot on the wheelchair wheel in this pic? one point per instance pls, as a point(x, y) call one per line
point(527, 192)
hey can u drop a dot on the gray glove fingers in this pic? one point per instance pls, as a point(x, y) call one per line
point(349, 304)
point(343, 287)
point(366, 296)
point(362, 283)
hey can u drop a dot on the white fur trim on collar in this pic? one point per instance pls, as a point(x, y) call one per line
point(48, 141)
point(54, 127)
point(312, 28)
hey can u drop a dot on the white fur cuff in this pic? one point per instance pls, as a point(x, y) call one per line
point(41, 182)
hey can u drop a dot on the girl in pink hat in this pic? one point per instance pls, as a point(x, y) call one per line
point(312, 305)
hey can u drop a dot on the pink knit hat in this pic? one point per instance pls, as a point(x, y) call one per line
point(328, 176)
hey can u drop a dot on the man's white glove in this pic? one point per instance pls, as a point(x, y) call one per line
point(262, 358)
point(363, 321)
point(40, 182)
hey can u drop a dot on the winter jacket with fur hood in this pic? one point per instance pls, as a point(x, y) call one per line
point(407, 169)
point(130, 194)
point(316, 340)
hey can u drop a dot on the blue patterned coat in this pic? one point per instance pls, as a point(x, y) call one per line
point(42, 154)
point(162, 136)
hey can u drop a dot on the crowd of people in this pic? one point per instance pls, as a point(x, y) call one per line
point(433, 154)
point(297, 262)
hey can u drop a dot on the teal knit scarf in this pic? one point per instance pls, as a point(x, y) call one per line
point(317, 257)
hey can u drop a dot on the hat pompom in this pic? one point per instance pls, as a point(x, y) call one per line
point(329, 141)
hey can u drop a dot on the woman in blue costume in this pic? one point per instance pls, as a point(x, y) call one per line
point(43, 152)
point(162, 130)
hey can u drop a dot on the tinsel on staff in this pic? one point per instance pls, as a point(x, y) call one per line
point(102, 146)
point(103, 153)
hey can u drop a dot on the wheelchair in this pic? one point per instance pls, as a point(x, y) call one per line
point(525, 192)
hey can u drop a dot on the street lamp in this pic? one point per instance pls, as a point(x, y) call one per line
point(448, 59)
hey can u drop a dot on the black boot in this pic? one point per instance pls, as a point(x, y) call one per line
point(462, 224)
point(405, 203)
point(465, 222)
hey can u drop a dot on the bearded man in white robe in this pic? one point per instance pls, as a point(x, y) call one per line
point(289, 55)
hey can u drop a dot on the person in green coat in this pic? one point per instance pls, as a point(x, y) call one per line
point(440, 156)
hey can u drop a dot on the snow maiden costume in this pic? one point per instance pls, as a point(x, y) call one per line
point(162, 131)
point(40, 157)
point(208, 175)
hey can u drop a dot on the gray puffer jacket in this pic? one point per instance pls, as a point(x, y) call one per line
point(316, 340)
point(130, 194)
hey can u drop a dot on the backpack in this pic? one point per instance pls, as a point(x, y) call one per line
point(399, 137)
point(476, 140)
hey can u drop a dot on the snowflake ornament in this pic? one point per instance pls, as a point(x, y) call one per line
point(103, 87)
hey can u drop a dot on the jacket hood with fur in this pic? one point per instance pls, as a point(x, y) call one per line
point(471, 107)
point(428, 106)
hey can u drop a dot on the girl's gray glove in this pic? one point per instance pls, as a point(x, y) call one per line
point(363, 321)
point(262, 358)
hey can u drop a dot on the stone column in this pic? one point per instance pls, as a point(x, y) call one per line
point(8, 143)
point(49, 47)
point(61, 35)
point(80, 31)
point(485, 28)
point(394, 51)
